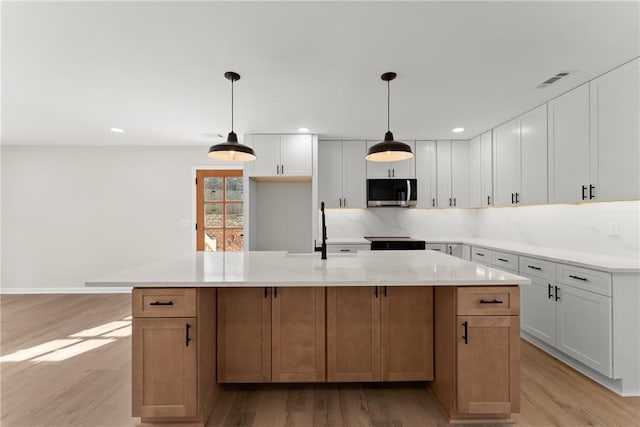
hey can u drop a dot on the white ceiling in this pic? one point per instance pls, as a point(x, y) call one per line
point(70, 71)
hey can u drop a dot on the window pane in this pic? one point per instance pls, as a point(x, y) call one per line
point(234, 215)
point(233, 240)
point(234, 189)
point(213, 215)
point(212, 189)
point(213, 240)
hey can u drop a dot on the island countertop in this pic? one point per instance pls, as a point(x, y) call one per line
point(255, 268)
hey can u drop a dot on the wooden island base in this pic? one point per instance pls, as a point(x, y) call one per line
point(462, 341)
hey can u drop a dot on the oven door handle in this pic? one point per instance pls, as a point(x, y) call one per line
point(408, 190)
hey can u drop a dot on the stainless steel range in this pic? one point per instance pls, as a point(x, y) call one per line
point(395, 243)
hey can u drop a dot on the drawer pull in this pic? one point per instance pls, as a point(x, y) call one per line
point(162, 303)
point(494, 301)
point(534, 267)
point(345, 250)
point(479, 254)
point(465, 337)
point(584, 279)
point(503, 260)
point(187, 328)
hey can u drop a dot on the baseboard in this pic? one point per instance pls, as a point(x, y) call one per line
point(68, 290)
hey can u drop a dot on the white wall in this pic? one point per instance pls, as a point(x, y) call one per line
point(71, 214)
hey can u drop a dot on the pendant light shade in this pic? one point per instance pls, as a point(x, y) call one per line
point(232, 150)
point(389, 150)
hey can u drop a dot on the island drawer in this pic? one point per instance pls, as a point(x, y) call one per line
point(584, 278)
point(538, 268)
point(489, 300)
point(505, 261)
point(481, 255)
point(165, 302)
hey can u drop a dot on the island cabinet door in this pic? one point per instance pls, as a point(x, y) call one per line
point(407, 333)
point(353, 333)
point(164, 367)
point(244, 335)
point(488, 352)
point(298, 334)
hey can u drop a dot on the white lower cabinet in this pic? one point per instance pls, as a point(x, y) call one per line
point(538, 310)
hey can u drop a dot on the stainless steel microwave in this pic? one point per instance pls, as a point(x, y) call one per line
point(392, 192)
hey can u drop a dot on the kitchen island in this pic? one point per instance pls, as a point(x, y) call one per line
point(205, 319)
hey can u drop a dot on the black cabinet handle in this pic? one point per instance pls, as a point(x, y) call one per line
point(449, 201)
point(534, 267)
point(277, 169)
point(550, 292)
point(375, 291)
point(455, 202)
point(584, 279)
point(344, 202)
point(266, 292)
point(493, 301)
point(187, 334)
point(517, 196)
point(385, 291)
point(503, 260)
point(488, 200)
point(513, 200)
point(465, 337)
point(275, 292)
point(393, 173)
point(282, 169)
point(433, 202)
point(584, 188)
point(479, 254)
point(591, 195)
point(557, 293)
point(162, 303)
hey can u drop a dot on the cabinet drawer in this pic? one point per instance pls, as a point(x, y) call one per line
point(538, 268)
point(439, 247)
point(489, 300)
point(169, 302)
point(505, 261)
point(584, 278)
point(336, 249)
point(481, 255)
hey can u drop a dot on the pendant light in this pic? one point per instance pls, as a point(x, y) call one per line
point(389, 150)
point(232, 150)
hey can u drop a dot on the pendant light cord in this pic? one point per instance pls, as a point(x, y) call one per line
point(388, 103)
point(231, 105)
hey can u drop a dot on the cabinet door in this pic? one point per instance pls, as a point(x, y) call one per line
point(377, 169)
point(353, 334)
point(267, 148)
point(488, 379)
point(354, 174)
point(615, 133)
point(584, 327)
point(407, 333)
point(460, 173)
point(506, 164)
point(486, 167)
point(330, 173)
point(164, 374)
point(538, 310)
point(443, 155)
point(569, 145)
point(244, 335)
point(405, 169)
point(296, 155)
point(475, 173)
point(298, 337)
point(533, 154)
point(426, 173)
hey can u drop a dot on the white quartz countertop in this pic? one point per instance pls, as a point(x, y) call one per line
point(364, 268)
point(349, 241)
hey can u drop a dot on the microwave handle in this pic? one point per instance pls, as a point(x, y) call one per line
point(408, 190)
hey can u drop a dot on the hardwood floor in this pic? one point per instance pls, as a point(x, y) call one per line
point(85, 380)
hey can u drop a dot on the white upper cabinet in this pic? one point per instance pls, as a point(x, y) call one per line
point(486, 168)
point(342, 174)
point(475, 172)
point(569, 146)
point(400, 169)
point(453, 173)
point(615, 134)
point(520, 160)
point(426, 173)
point(281, 155)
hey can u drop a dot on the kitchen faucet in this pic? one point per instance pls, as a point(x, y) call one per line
point(324, 233)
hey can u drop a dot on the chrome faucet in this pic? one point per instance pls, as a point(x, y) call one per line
point(324, 233)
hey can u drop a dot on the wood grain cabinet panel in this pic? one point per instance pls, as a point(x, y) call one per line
point(298, 334)
point(244, 335)
point(353, 334)
point(407, 333)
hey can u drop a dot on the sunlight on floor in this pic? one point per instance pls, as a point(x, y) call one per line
point(75, 344)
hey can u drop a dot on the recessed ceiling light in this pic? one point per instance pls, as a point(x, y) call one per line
point(457, 130)
point(117, 130)
point(303, 129)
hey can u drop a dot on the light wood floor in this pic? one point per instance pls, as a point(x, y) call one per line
point(93, 388)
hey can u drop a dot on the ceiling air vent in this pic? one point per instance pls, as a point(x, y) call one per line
point(553, 79)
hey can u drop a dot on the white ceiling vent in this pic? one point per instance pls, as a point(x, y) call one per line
point(553, 79)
